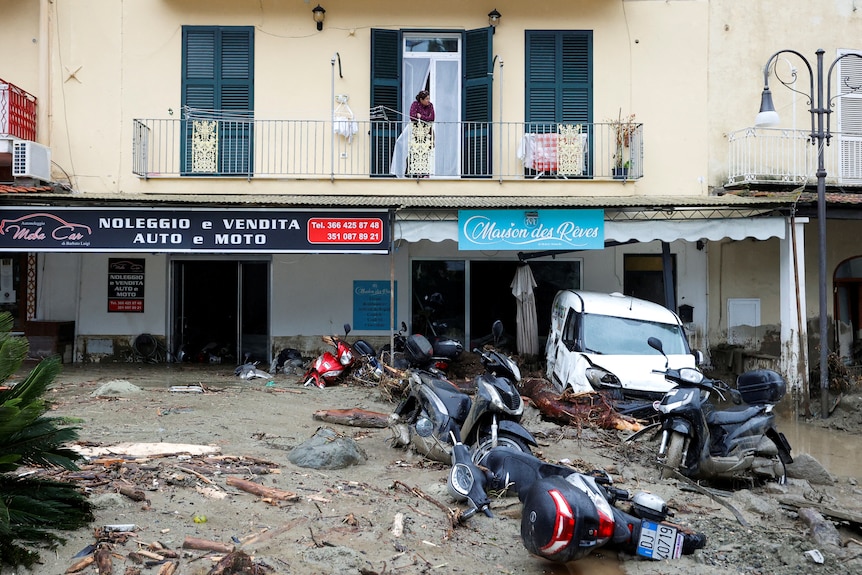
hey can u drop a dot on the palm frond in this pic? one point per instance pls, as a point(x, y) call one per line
point(13, 351)
point(33, 508)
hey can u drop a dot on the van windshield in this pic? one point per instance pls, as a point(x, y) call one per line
point(611, 335)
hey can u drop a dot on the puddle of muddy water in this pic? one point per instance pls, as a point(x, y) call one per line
point(837, 451)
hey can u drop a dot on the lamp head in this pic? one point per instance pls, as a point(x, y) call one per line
point(767, 117)
point(319, 15)
point(494, 17)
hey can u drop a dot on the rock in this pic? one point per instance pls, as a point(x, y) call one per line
point(326, 449)
point(804, 466)
point(823, 531)
point(117, 387)
point(763, 506)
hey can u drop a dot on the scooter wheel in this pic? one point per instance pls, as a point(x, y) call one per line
point(481, 448)
point(673, 461)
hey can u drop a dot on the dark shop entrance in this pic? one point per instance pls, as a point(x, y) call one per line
point(220, 310)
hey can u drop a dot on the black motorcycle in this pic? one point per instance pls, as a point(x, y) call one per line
point(566, 515)
point(703, 442)
point(416, 351)
point(434, 408)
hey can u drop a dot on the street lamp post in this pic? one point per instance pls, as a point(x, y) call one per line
point(820, 136)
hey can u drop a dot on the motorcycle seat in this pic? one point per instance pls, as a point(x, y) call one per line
point(733, 415)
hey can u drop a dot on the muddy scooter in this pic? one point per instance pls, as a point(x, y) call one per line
point(329, 366)
point(703, 442)
point(434, 408)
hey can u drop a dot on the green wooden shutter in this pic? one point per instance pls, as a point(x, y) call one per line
point(385, 97)
point(559, 77)
point(560, 83)
point(218, 82)
point(477, 91)
point(237, 84)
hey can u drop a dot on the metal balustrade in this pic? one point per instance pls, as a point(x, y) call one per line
point(17, 112)
point(783, 156)
point(344, 149)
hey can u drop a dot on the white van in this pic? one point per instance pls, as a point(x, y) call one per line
point(598, 342)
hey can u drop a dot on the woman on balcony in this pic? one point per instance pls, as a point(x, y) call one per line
point(420, 153)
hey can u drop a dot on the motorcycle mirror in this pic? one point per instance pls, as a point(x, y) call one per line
point(347, 328)
point(735, 397)
point(424, 427)
point(403, 326)
point(656, 344)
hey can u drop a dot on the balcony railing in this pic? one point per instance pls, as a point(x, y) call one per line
point(344, 148)
point(787, 157)
point(17, 112)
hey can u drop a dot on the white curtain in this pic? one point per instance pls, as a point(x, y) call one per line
point(445, 95)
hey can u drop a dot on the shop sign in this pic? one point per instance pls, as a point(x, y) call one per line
point(126, 285)
point(372, 304)
point(531, 229)
point(163, 230)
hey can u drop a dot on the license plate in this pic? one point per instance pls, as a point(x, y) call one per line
point(659, 541)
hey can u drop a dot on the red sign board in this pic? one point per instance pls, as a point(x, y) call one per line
point(345, 230)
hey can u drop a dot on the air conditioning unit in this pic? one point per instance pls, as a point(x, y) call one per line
point(31, 160)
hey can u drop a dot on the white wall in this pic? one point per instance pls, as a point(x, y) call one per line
point(93, 317)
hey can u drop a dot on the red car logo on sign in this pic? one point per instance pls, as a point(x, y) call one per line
point(33, 227)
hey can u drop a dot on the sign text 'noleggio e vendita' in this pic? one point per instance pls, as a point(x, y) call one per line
point(531, 230)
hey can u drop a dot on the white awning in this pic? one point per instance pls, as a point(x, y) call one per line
point(693, 230)
point(654, 230)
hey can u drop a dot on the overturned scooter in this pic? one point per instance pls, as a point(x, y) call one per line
point(566, 515)
point(435, 407)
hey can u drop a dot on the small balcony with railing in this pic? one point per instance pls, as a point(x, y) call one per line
point(20, 156)
point(204, 144)
point(775, 157)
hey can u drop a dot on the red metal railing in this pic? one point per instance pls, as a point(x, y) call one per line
point(17, 112)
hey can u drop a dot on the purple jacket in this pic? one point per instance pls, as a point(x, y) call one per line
point(420, 112)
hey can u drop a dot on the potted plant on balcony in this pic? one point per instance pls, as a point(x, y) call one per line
point(623, 127)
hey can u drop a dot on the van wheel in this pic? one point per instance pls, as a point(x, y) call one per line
point(484, 445)
point(674, 455)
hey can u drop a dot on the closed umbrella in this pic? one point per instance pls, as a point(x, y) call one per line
point(528, 326)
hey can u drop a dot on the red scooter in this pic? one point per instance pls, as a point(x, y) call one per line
point(329, 367)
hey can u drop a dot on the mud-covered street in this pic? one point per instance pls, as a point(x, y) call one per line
point(383, 516)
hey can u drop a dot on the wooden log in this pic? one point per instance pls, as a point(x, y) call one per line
point(354, 416)
point(168, 568)
point(205, 545)
point(261, 490)
point(589, 408)
point(132, 493)
point(270, 533)
point(81, 564)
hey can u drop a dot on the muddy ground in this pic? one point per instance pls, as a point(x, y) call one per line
point(344, 521)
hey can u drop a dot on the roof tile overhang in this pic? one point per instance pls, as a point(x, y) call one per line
point(417, 202)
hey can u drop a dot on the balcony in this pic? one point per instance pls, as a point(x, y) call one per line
point(208, 146)
point(779, 157)
point(17, 112)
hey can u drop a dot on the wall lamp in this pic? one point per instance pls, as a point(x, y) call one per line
point(494, 17)
point(319, 15)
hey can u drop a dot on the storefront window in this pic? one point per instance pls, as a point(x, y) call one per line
point(438, 298)
point(440, 292)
